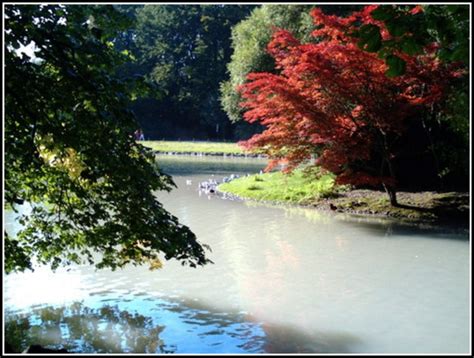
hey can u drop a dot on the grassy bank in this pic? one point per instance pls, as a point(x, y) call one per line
point(427, 207)
point(277, 187)
point(194, 147)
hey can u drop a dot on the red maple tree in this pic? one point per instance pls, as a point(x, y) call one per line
point(332, 102)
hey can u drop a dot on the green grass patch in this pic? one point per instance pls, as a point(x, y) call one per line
point(295, 188)
point(194, 147)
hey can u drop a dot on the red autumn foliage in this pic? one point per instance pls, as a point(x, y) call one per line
point(332, 102)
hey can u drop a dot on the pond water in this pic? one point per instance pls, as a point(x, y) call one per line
point(284, 279)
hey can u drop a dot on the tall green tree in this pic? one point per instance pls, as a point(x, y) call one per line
point(70, 155)
point(184, 50)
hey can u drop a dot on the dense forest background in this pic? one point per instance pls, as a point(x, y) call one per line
point(183, 51)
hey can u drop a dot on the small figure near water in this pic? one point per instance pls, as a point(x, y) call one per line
point(139, 135)
point(230, 178)
point(210, 186)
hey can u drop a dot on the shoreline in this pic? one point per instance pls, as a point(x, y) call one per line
point(416, 208)
point(210, 154)
point(443, 216)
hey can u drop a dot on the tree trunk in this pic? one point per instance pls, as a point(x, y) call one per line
point(392, 194)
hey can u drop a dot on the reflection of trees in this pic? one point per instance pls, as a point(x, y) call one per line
point(82, 329)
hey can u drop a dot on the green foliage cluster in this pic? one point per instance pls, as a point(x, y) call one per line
point(70, 154)
point(184, 49)
point(412, 29)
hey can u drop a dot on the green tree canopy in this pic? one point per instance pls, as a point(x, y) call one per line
point(70, 155)
point(184, 49)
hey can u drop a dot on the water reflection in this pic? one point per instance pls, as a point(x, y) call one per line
point(164, 327)
point(79, 328)
point(378, 226)
point(388, 227)
point(173, 327)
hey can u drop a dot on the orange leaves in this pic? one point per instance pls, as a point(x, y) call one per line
point(357, 112)
point(332, 28)
point(283, 42)
point(416, 10)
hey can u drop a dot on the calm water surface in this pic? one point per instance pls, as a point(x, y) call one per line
point(283, 280)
